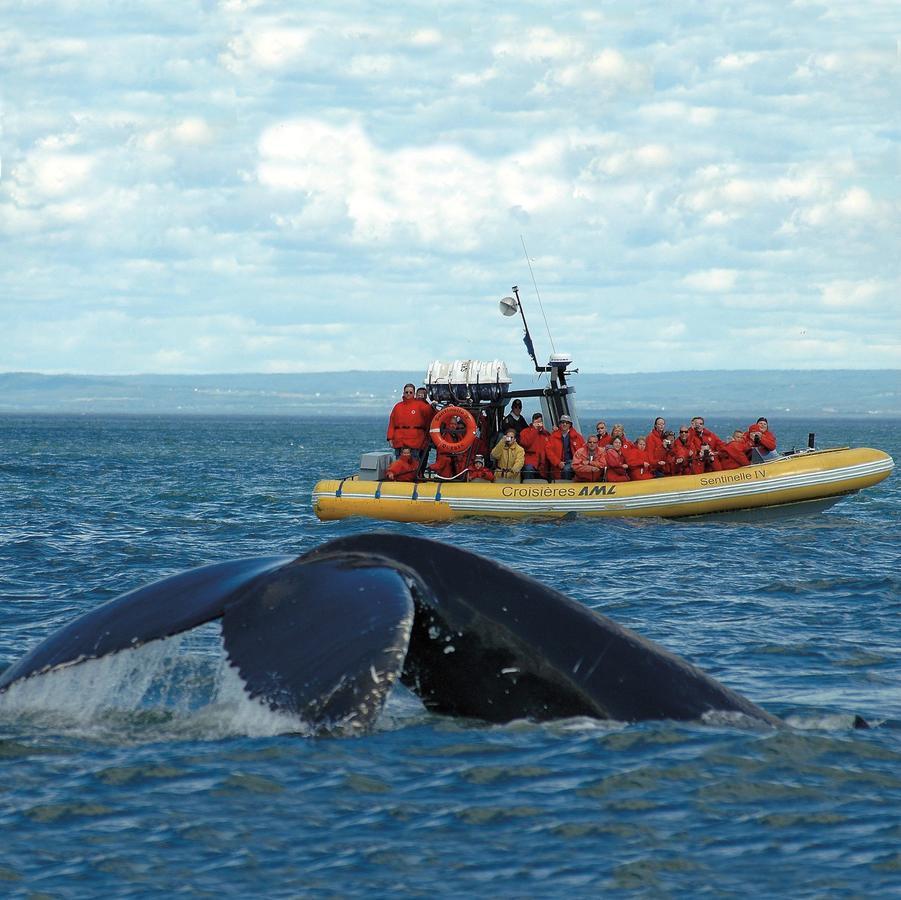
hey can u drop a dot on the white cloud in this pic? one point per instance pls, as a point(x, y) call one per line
point(440, 195)
point(227, 175)
point(711, 280)
point(855, 294)
point(267, 49)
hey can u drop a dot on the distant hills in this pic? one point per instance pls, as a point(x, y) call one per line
point(807, 393)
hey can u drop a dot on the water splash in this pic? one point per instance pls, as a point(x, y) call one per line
point(163, 690)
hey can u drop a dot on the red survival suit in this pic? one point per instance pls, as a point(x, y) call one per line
point(767, 442)
point(655, 451)
point(534, 442)
point(408, 424)
point(587, 467)
point(554, 448)
point(639, 465)
point(483, 473)
point(403, 469)
point(680, 457)
point(616, 465)
point(734, 454)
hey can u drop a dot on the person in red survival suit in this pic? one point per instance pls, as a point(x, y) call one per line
point(736, 453)
point(408, 424)
point(654, 440)
point(448, 465)
point(705, 459)
point(590, 461)
point(617, 467)
point(681, 454)
point(604, 436)
point(478, 470)
point(562, 446)
point(534, 441)
point(667, 464)
point(404, 468)
point(480, 445)
point(637, 459)
point(699, 435)
point(620, 432)
point(760, 436)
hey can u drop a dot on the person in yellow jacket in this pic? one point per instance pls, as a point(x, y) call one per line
point(508, 455)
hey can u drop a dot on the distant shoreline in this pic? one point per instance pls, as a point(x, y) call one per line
point(863, 394)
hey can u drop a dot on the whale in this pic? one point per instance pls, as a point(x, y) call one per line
point(324, 637)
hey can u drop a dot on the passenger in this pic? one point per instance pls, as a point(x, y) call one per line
point(408, 424)
point(619, 432)
point(736, 453)
point(617, 468)
point(700, 435)
point(590, 461)
point(514, 419)
point(682, 455)
point(479, 471)
point(534, 441)
point(448, 465)
point(562, 446)
point(760, 436)
point(604, 436)
point(480, 445)
point(508, 455)
point(669, 455)
point(637, 459)
point(404, 468)
point(705, 459)
point(654, 439)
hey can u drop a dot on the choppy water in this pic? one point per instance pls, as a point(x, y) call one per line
point(151, 774)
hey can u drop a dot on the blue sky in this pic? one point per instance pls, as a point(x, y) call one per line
point(245, 186)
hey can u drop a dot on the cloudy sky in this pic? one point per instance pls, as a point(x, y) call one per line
point(242, 186)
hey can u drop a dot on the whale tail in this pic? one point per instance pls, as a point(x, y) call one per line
point(325, 636)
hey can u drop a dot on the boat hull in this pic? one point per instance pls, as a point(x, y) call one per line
point(795, 484)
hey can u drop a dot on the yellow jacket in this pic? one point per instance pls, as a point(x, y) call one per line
point(509, 459)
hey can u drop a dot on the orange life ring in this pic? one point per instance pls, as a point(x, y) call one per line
point(448, 438)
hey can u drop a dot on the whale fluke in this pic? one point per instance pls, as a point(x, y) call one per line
point(325, 636)
point(493, 644)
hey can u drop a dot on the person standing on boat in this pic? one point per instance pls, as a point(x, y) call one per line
point(590, 461)
point(617, 468)
point(533, 441)
point(654, 440)
point(515, 419)
point(508, 455)
point(604, 436)
point(408, 424)
point(562, 446)
point(760, 436)
point(404, 468)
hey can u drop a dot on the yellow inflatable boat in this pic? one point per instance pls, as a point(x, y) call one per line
point(772, 485)
point(803, 482)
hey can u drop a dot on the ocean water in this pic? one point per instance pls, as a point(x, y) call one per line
point(150, 773)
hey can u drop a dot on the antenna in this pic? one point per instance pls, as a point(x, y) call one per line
point(540, 305)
